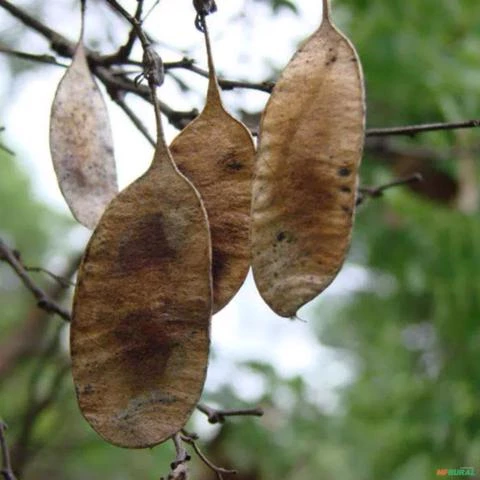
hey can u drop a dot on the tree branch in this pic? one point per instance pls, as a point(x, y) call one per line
point(43, 301)
point(62, 281)
point(218, 470)
point(3, 147)
point(179, 466)
point(214, 416)
point(25, 340)
point(135, 21)
point(189, 64)
point(47, 59)
point(123, 53)
point(219, 416)
point(7, 150)
point(6, 471)
point(179, 119)
point(66, 48)
point(412, 130)
point(375, 192)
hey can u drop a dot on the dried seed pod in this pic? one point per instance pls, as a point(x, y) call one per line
point(140, 331)
point(216, 153)
point(304, 187)
point(81, 142)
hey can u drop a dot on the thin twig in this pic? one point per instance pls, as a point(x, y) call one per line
point(7, 150)
point(188, 434)
point(43, 301)
point(133, 20)
point(116, 85)
point(412, 130)
point(375, 192)
point(219, 416)
point(3, 147)
point(25, 340)
point(13, 259)
point(179, 473)
point(63, 282)
point(66, 48)
point(152, 8)
point(45, 58)
point(218, 470)
point(179, 469)
point(6, 471)
point(189, 64)
point(122, 54)
point(182, 455)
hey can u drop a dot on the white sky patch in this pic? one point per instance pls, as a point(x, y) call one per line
point(247, 330)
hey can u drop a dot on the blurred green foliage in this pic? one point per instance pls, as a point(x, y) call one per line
point(410, 334)
point(27, 225)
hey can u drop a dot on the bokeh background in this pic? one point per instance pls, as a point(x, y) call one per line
point(381, 379)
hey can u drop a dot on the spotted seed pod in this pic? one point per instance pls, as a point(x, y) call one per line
point(81, 142)
point(216, 153)
point(305, 181)
point(140, 330)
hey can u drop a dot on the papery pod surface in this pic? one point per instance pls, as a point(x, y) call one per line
point(304, 188)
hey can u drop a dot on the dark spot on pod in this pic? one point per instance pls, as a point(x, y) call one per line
point(284, 237)
point(144, 343)
point(234, 165)
point(145, 245)
point(331, 60)
point(88, 389)
point(219, 261)
point(344, 172)
point(80, 177)
point(346, 209)
point(229, 161)
point(345, 189)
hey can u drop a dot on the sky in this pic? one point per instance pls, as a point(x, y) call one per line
point(247, 42)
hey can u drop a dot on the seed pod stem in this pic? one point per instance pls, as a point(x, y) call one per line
point(326, 16)
point(83, 7)
point(162, 151)
point(213, 95)
point(158, 113)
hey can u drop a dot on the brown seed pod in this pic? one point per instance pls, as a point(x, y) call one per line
point(140, 331)
point(81, 142)
point(304, 187)
point(216, 153)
